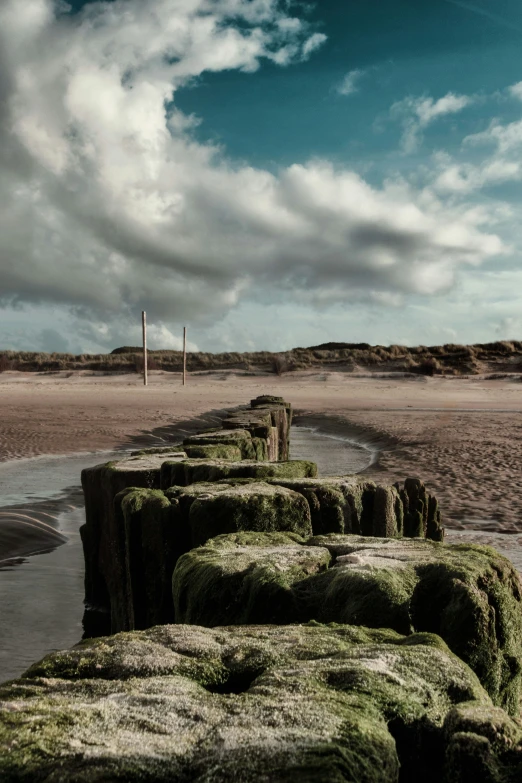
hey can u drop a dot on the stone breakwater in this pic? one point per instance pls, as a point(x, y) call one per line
point(144, 512)
point(323, 630)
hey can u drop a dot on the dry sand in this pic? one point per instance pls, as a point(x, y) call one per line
point(463, 437)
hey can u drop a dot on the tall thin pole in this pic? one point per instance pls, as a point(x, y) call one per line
point(144, 326)
point(184, 355)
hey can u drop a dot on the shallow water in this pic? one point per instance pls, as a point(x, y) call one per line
point(45, 477)
point(41, 595)
point(41, 601)
point(334, 455)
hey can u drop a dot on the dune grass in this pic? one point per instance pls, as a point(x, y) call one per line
point(450, 359)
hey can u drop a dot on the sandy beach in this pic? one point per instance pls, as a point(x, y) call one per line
point(463, 437)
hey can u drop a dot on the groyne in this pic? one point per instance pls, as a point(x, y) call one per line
point(278, 626)
point(144, 512)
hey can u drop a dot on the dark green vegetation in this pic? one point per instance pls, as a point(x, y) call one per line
point(503, 357)
point(353, 504)
point(185, 472)
point(469, 595)
point(284, 704)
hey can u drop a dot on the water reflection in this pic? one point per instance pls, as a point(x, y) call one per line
point(41, 600)
point(334, 455)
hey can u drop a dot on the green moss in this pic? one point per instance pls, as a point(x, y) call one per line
point(256, 507)
point(241, 439)
point(295, 703)
point(260, 448)
point(231, 582)
point(214, 451)
point(189, 472)
point(174, 448)
point(468, 595)
point(154, 539)
point(347, 504)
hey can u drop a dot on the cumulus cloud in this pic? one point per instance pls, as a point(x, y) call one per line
point(516, 90)
point(417, 113)
point(501, 163)
point(108, 205)
point(349, 84)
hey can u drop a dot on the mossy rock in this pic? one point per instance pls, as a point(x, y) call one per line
point(159, 527)
point(241, 439)
point(233, 580)
point(216, 451)
point(155, 537)
point(353, 504)
point(259, 424)
point(104, 539)
point(186, 472)
point(215, 509)
point(469, 595)
point(312, 704)
point(176, 449)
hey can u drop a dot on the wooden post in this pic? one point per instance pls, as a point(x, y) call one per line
point(144, 326)
point(184, 355)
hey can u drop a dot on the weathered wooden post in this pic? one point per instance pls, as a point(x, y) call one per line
point(184, 355)
point(144, 326)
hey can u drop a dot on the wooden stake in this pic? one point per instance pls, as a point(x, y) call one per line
point(144, 326)
point(184, 355)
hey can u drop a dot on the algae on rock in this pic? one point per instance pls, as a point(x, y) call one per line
point(158, 527)
point(191, 471)
point(104, 540)
point(297, 703)
point(354, 504)
point(470, 595)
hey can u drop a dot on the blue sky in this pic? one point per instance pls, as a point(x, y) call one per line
point(271, 174)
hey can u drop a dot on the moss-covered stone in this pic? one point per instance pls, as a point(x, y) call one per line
point(421, 511)
point(212, 509)
point(469, 595)
point(232, 580)
point(307, 703)
point(242, 439)
point(259, 424)
point(185, 472)
point(281, 416)
point(215, 451)
point(159, 527)
point(154, 539)
point(174, 449)
point(352, 504)
point(103, 537)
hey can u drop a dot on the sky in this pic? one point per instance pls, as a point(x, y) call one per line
point(269, 173)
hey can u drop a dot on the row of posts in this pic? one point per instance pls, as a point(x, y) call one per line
point(144, 327)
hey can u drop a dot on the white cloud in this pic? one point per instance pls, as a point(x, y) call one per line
point(417, 113)
point(349, 84)
point(516, 90)
point(108, 205)
point(507, 138)
point(311, 44)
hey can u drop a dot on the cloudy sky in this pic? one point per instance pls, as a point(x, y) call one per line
point(270, 173)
